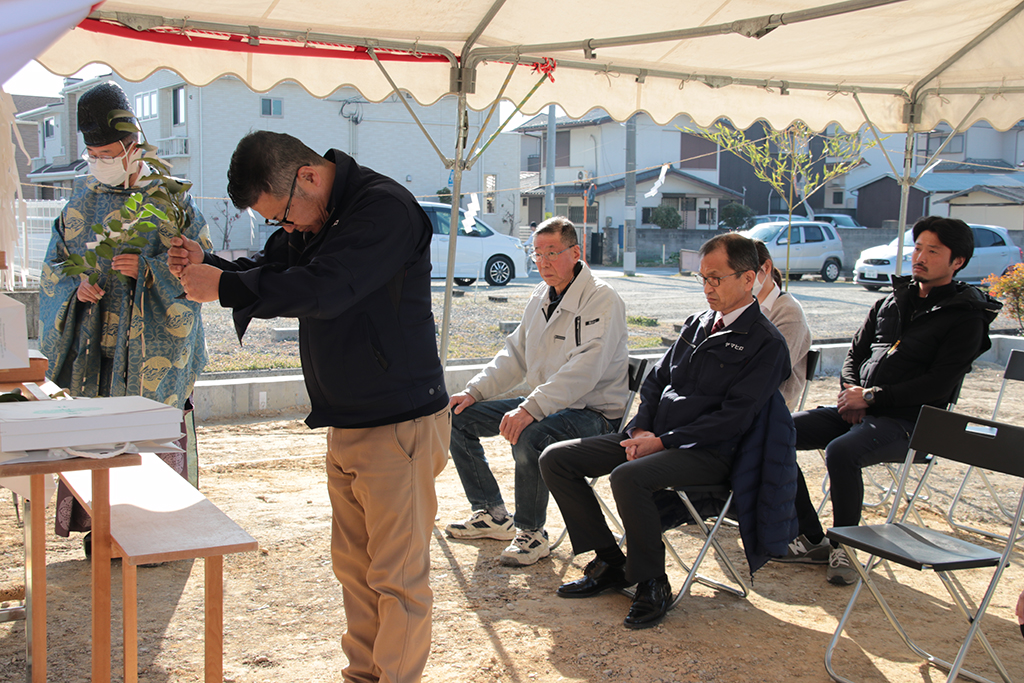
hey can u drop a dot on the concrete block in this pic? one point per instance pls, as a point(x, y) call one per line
point(286, 334)
point(508, 326)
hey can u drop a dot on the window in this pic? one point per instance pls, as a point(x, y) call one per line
point(146, 105)
point(987, 238)
point(929, 143)
point(706, 217)
point(490, 186)
point(785, 232)
point(49, 127)
point(837, 198)
point(813, 233)
point(178, 106)
point(697, 152)
point(561, 149)
point(271, 106)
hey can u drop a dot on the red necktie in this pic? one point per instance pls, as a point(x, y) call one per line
point(718, 326)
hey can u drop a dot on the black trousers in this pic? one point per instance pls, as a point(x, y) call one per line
point(848, 449)
point(565, 466)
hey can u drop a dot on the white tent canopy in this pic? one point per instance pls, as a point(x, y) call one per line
point(899, 65)
point(693, 57)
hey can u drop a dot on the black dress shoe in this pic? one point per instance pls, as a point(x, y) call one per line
point(650, 603)
point(598, 576)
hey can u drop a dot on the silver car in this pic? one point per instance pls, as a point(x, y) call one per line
point(994, 253)
point(815, 248)
point(480, 252)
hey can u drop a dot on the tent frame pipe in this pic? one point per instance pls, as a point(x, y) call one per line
point(754, 27)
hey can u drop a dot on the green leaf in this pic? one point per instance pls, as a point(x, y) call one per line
point(139, 241)
point(98, 229)
point(104, 250)
point(90, 257)
point(125, 213)
point(76, 259)
point(130, 250)
point(115, 224)
point(144, 226)
point(75, 271)
point(94, 277)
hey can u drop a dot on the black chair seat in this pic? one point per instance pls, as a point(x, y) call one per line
point(915, 547)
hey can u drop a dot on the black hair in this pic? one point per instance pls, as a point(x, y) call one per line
point(740, 251)
point(954, 234)
point(266, 163)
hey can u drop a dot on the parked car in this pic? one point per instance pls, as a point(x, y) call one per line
point(480, 252)
point(815, 248)
point(754, 221)
point(994, 253)
point(840, 220)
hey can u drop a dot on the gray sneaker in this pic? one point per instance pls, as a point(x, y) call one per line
point(840, 572)
point(482, 525)
point(802, 551)
point(529, 546)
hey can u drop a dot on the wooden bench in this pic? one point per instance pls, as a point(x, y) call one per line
point(156, 516)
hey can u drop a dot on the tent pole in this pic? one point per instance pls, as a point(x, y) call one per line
point(453, 223)
point(905, 182)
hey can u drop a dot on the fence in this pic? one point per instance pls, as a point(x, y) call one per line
point(34, 229)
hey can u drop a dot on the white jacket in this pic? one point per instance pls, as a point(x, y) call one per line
point(577, 359)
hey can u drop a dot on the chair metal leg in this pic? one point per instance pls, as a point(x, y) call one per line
point(953, 669)
point(710, 540)
point(620, 531)
point(995, 497)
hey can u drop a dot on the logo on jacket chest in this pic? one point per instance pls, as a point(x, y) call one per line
point(733, 346)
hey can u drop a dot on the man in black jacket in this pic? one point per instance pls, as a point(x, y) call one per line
point(351, 262)
point(913, 349)
point(695, 406)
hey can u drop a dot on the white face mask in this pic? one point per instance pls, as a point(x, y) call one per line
point(759, 283)
point(114, 171)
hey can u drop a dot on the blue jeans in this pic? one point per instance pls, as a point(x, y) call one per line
point(482, 419)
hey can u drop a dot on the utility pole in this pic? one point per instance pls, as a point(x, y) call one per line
point(629, 225)
point(549, 180)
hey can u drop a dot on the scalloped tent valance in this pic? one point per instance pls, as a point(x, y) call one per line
point(890, 60)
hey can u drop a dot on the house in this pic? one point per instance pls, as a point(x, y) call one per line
point(590, 151)
point(989, 204)
point(197, 128)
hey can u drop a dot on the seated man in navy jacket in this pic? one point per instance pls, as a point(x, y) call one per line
point(696, 404)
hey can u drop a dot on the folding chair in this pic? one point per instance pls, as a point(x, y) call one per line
point(1014, 371)
point(975, 442)
point(636, 371)
point(813, 355)
point(710, 541)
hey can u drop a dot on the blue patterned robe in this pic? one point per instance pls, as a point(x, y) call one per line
point(153, 341)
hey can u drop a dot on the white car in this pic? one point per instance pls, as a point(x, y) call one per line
point(994, 253)
point(815, 248)
point(480, 252)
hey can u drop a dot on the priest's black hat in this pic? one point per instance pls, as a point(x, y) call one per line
point(93, 109)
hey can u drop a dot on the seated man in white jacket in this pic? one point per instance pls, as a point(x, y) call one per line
point(570, 347)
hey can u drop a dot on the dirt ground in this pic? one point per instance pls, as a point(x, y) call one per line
point(284, 616)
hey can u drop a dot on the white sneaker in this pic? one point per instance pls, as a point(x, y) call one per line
point(840, 572)
point(529, 546)
point(482, 525)
point(802, 551)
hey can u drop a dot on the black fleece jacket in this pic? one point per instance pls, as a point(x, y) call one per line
point(917, 350)
point(360, 289)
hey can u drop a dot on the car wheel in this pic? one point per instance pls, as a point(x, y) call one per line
point(872, 288)
point(830, 271)
point(464, 281)
point(499, 271)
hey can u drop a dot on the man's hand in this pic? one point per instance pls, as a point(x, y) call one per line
point(183, 252)
point(513, 424)
point(642, 443)
point(127, 265)
point(854, 417)
point(201, 282)
point(461, 401)
point(89, 294)
point(851, 398)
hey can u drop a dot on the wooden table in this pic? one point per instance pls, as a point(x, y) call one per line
point(35, 557)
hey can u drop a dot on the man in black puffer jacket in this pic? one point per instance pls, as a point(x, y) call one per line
point(913, 349)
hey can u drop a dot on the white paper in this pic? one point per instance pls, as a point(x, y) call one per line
point(13, 334)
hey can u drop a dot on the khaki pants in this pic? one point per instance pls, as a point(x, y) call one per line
point(381, 484)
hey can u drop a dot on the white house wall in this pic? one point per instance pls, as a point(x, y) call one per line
point(386, 140)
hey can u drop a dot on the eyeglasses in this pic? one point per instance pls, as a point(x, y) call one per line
point(537, 257)
point(92, 158)
point(287, 207)
point(714, 280)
